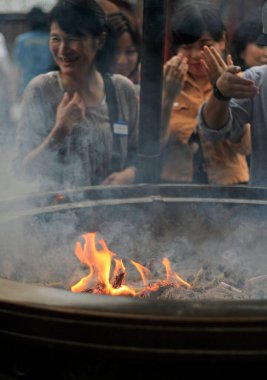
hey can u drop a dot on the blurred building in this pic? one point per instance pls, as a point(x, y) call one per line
point(23, 6)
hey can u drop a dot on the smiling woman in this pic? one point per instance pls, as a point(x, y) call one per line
point(66, 137)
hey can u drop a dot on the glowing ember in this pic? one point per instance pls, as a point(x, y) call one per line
point(101, 263)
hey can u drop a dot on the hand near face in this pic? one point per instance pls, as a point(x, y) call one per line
point(175, 72)
point(70, 111)
point(225, 75)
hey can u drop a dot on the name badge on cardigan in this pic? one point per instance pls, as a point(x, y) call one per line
point(120, 128)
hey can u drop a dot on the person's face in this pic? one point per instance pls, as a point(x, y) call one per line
point(73, 55)
point(127, 55)
point(254, 55)
point(193, 53)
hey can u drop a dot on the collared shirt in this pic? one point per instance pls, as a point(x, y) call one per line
point(224, 162)
point(253, 111)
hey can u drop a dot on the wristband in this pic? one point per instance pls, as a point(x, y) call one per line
point(218, 95)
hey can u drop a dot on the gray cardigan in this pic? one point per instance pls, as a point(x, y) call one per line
point(85, 157)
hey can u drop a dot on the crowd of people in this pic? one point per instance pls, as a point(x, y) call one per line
point(77, 86)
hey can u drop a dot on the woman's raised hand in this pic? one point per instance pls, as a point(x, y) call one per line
point(70, 111)
point(175, 72)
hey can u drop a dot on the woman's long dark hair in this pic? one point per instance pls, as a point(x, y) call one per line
point(123, 23)
point(82, 17)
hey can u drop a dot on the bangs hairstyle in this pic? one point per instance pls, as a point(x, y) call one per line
point(79, 17)
point(191, 21)
point(82, 17)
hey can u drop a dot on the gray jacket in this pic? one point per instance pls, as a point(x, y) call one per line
point(253, 111)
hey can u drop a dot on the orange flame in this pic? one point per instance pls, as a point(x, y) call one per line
point(99, 262)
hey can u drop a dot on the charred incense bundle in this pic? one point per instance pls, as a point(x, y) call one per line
point(119, 280)
point(99, 288)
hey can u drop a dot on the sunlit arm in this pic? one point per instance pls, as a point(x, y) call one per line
point(124, 177)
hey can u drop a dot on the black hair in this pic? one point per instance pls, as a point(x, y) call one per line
point(245, 33)
point(37, 19)
point(190, 21)
point(82, 17)
point(122, 23)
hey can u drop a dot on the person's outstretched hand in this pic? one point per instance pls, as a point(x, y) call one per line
point(226, 75)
